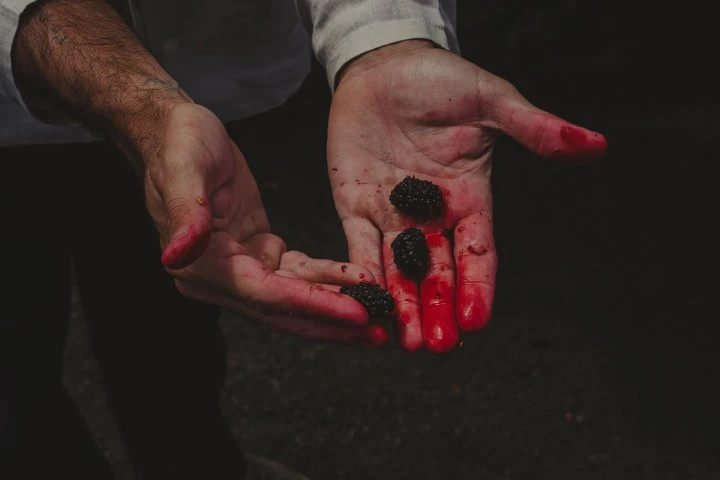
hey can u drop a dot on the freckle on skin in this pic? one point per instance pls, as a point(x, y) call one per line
point(344, 268)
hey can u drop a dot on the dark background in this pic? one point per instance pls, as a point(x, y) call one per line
point(602, 358)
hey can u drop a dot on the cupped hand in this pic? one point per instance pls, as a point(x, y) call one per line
point(410, 109)
point(218, 246)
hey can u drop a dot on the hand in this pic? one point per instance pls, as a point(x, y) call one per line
point(411, 109)
point(217, 241)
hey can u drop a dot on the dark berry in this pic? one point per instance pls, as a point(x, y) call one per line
point(411, 253)
point(418, 198)
point(376, 300)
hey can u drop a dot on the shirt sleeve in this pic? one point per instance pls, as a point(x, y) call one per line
point(10, 11)
point(343, 30)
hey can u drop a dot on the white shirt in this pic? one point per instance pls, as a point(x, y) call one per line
point(238, 57)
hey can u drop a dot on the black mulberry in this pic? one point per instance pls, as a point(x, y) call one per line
point(411, 253)
point(418, 198)
point(376, 300)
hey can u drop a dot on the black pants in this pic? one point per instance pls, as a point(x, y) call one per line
point(162, 355)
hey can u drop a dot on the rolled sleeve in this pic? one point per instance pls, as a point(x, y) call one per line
point(10, 11)
point(344, 30)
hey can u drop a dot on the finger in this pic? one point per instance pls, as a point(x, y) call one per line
point(311, 329)
point(373, 335)
point(189, 229)
point(248, 279)
point(545, 134)
point(476, 261)
point(364, 246)
point(267, 248)
point(189, 225)
point(407, 303)
point(324, 271)
point(320, 286)
point(437, 296)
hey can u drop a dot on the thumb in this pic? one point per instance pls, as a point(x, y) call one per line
point(544, 133)
point(189, 223)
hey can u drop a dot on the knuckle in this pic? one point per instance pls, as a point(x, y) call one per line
point(177, 205)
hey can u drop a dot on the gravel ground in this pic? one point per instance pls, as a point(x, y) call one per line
point(601, 360)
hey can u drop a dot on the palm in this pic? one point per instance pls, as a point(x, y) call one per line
point(408, 128)
point(430, 114)
point(217, 240)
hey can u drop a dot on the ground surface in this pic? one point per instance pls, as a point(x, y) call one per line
point(601, 360)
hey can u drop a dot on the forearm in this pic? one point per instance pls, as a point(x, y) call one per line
point(80, 57)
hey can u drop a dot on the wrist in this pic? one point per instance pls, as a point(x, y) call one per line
point(79, 58)
point(139, 128)
point(371, 59)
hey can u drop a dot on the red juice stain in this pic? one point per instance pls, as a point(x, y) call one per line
point(435, 239)
point(188, 246)
point(581, 142)
point(377, 336)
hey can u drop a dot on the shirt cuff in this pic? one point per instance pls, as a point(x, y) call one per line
point(375, 35)
point(10, 11)
point(345, 30)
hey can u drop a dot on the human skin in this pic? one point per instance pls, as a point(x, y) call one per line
point(412, 109)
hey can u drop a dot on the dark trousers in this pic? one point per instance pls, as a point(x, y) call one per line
point(162, 355)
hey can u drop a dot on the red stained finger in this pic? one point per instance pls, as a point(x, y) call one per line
point(312, 329)
point(325, 271)
point(476, 262)
point(407, 304)
point(365, 247)
point(268, 291)
point(189, 241)
point(371, 335)
point(437, 296)
point(552, 137)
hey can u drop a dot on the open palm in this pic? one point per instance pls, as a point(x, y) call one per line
point(218, 245)
point(414, 110)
